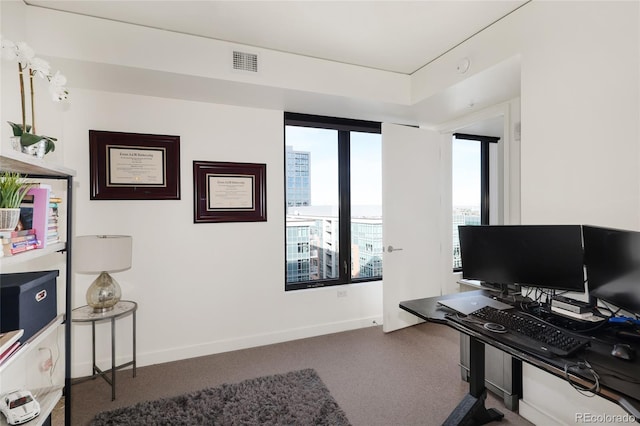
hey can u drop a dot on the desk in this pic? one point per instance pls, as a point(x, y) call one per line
point(85, 314)
point(472, 410)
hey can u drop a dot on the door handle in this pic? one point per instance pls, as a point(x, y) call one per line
point(392, 248)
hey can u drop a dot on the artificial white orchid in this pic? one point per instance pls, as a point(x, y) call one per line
point(31, 65)
point(56, 87)
point(40, 67)
point(9, 49)
point(24, 53)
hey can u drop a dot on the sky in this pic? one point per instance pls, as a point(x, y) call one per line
point(366, 164)
point(466, 173)
point(366, 167)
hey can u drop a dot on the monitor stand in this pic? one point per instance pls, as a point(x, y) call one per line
point(509, 293)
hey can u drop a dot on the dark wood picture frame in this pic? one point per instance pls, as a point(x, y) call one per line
point(134, 166)
point(229, 192)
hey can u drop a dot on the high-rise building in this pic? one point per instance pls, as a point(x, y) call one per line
point(462, 216)
point(366, 247)
point(298, 178)
point(313, 253)
point(301, 256)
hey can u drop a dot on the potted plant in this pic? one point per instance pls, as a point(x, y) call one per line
point(12, 192)
point(30, 66)
point(31, 142)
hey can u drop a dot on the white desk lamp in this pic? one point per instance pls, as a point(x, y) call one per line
point(102, 254)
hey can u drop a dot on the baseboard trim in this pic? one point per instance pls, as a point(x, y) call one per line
point(537, 416)
point(227, 345)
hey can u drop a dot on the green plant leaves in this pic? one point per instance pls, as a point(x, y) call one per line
point(27, 139)
point(12, 190)
point(17, 128)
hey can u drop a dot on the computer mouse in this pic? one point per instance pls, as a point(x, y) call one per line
point(623, 351)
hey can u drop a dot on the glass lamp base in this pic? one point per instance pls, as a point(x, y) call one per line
point(104, 293)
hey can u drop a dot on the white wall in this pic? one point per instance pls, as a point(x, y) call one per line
point(199, 62)
point(201, 288)
point(579, 136)
point(579, 132)
point(580, 156)
point(579, 63)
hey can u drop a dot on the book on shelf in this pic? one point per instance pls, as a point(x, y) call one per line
point(16, 248)
point(18, 244)
point(26, 240)
point(38, 217)
point(9, 343)
point(7, 338)
point(40, 212)
point(52, 223)
point(8, 352)
point(20, 233)
point(28, 237)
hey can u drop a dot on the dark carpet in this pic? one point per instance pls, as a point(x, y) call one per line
point(295, 398)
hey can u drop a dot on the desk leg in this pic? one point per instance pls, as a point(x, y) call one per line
point(471, 410)
point(113, 359)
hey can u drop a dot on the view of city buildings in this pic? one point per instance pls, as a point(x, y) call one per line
point(298, 178)
point(467, 215)
point(312, 232)
point(312, 235)
point(313, 241)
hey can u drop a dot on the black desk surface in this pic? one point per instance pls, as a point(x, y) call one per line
point(619, 379)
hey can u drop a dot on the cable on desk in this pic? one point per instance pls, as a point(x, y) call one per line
point(608, 308)
point(468, 319)
point(525, 306)
point(583, 365)
point(594, 328)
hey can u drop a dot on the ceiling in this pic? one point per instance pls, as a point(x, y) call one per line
point(396, 36)
point(374, 34)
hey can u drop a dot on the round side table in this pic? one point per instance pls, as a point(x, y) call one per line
point(85, 314)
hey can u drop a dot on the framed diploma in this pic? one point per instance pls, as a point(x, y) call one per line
point(229, 192)
point(133, 166)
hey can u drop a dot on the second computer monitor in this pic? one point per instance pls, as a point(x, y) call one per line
point(547, 256)
point(612, 261)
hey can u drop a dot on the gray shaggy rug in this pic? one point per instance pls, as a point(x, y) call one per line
point(295, 398)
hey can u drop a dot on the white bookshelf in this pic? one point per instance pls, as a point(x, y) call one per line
point(33, 342)
point(47, 398)
point(14, 161)
point(32, 254)
point(16, 371)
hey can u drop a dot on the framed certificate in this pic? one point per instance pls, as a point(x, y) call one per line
point(133, 166)
point(229, 192)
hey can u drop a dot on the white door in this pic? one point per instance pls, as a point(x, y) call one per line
point(415, 187)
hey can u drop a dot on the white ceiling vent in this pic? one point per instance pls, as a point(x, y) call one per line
point(243, 61)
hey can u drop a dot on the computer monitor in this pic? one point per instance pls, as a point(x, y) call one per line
point(548, 256)
point(612, 262)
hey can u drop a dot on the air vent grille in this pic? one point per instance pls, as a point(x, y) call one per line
point(245, 61)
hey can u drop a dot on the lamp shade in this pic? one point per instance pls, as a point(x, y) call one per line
point(102, 253)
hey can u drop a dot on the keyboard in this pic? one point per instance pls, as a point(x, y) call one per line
point(527, 331)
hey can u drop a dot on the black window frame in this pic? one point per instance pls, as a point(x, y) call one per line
point(344, 126)
point(485, 191)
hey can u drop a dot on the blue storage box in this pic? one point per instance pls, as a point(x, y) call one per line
point(28, 301)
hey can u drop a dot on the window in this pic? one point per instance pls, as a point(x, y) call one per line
point(333, 201)
point(470, 185)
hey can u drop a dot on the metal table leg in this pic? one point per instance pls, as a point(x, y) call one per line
point(113, 359)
